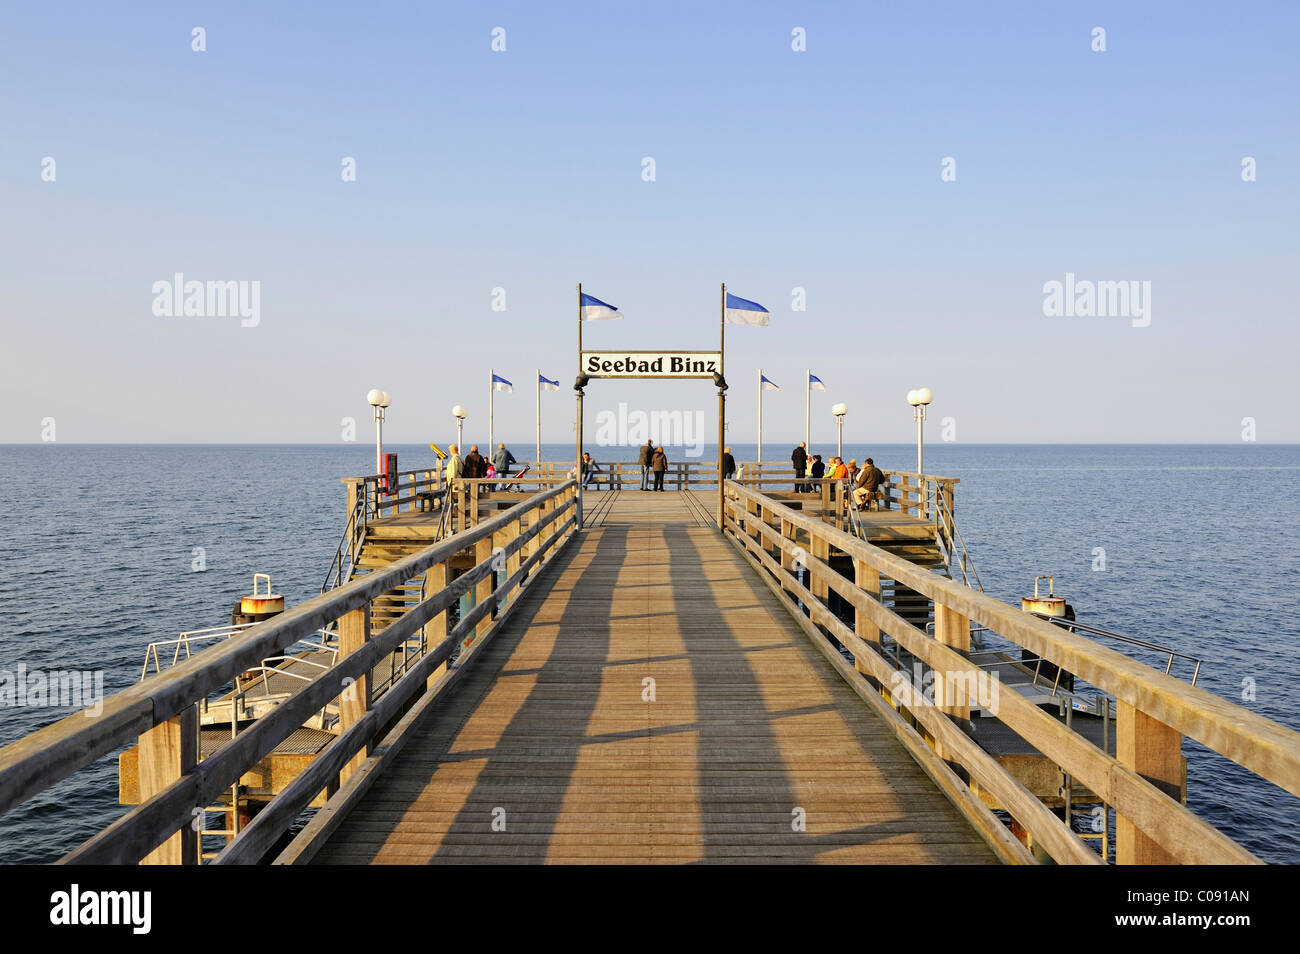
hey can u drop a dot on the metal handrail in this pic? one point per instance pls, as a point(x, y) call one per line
point(964, 561)
point(183, 641)
point(353, 534)
point(1076, 627)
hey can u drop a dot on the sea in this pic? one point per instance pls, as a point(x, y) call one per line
point(107, 547)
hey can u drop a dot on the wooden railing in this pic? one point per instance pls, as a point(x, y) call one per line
point(680, 475)
point(1154, 710)
point(407, 492)
point(908, 493)
point(175, 785)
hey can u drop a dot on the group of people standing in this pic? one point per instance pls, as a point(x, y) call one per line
point(474, 466)
point(654, 462)
point(865, 482)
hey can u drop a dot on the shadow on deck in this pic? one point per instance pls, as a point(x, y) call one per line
point(652, 701)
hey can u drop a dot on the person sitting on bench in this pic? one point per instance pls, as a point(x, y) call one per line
point(866, 487)
point(589, 469)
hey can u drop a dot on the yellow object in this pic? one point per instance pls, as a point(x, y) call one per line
point(442, 454)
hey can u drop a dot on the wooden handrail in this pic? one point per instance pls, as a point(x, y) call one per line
point(32, 764)
point(1269, 750)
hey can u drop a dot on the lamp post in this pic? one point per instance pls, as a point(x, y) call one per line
point(839, 410)
point(579, 383)
point(379, 400)
point(460, 414)
point(721, 383)
point(919, 399)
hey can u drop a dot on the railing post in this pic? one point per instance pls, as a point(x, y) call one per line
point(867, 578)
point(1154, 751)
point(952, 629)
point(352, 496)
point(534, 518)
point(826, 494)
point(483, 588)
point(787, 558)
point(765, 514)
point(166, 752)
point(354, 633)
point(436, 579)
point(819, 547)
point(513, 532)
point(473, 503)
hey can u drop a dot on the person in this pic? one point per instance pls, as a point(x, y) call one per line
point(728, 464)
point(659, 464)
point(840, 471)
point(502, 460)
point(853, 469)
point(589, 469)
point(475, 465)
point(879, 477)
point(647, 452)
point(817, 471)
point(455, 465)
point(800, 460)
point(867, 484)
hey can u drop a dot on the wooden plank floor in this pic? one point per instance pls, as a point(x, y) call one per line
point(651, 701)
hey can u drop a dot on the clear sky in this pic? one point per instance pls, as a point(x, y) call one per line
point(775, 169)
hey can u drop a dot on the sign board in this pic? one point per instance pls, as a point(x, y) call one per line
point(651, 364)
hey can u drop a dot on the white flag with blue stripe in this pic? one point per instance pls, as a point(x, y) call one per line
point(741, 311)
point(547, 384)
point(501, 384)
point(767, 383)
point(815, 383)
point(593, 309)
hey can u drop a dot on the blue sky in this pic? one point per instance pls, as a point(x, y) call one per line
point(775, 170)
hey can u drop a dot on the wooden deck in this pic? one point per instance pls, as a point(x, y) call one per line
point(551, 750)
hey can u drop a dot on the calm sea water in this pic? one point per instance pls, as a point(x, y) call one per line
point(1201, 554)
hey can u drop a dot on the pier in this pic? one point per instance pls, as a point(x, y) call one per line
point(534, 673)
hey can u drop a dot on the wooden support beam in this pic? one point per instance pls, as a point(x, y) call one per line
point(354, 633)
point(483, 588)
point(787, 557)
point(951, 689)
point(436, 579)
point(866, 578)
point(167, 751)
point(1154, 751)
point(751, 508)
point(512, 533)
point(820, 547)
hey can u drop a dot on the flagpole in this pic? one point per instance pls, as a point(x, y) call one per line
point(538, 384)
point(807, 410)
point(492, 390)
point(760, 420)
point(577, 463)
point(722, 399)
